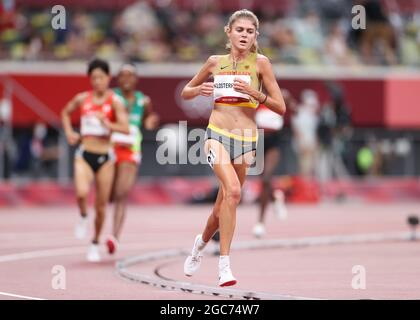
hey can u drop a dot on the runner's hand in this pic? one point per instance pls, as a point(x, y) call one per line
point(105, 121)
point(151, 122)
point(73, 138)
point(206, 89)
point(241, 86)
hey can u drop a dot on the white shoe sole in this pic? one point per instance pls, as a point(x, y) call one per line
point(93, 256)
point(227, 279)
point(93, 259)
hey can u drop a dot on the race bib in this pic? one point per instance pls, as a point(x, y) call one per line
point(223, 88)
point(211, 158)
point(126, 139)
point(92, 126)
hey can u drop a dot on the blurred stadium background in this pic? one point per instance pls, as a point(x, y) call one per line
point(358, 89)
point(368, 78)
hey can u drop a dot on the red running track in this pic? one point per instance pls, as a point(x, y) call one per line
point(34, 240)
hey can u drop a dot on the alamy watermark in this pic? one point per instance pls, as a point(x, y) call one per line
point(58, 281)
point(177, 146)
point(358, 281)
point(58, 21)
point(359, 20)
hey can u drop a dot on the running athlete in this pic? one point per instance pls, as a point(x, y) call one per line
point(272, 124)
point(127, 147)
point(231, 136)
point(102, 112)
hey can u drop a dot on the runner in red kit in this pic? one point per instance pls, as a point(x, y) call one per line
point(102, 113)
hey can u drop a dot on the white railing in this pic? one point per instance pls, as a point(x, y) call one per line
point(13, 88)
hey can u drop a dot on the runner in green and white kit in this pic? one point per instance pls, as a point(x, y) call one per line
point(127, 148)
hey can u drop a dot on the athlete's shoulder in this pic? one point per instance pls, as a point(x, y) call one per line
point(262, 59)
point(81, 96)
point(142, 97)
point(146, 100)
point(116, 98)
point(139, 93)
point(214, 59)
point(263, 64)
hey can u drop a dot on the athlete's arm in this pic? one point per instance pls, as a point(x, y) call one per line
point(150, 118)
point(274, 99)
point(291, 103)
point(72, 136)
point(197, 85)
point(121, 124)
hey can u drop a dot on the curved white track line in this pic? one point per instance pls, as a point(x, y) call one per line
point(122, 265)
point(214, 291)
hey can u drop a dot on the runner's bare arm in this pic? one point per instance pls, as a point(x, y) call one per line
point(72, 136)
point(197, 85)
point(151, 118)
point(274, 99)
point(121, 124)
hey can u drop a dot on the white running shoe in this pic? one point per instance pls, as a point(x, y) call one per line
point(93, 253)
point(259, 230)
point(193, 262)
point(280, 209)
point(226, 277)
point(80, 230)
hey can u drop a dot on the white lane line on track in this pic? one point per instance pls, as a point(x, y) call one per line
point(58, 252)
point(19, 296)
point(46, 254)
point(122, 265)
point(176, 285)
point(42, 254)
point(231, 293)
point(274, 243)
point(37, 254)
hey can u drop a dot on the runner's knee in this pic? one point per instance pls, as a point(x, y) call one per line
point(100, 205)
point(233, 194)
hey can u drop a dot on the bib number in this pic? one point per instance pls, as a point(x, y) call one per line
point(223, 88)
point(92, 126)
point(211, 158)
point(126, 139)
